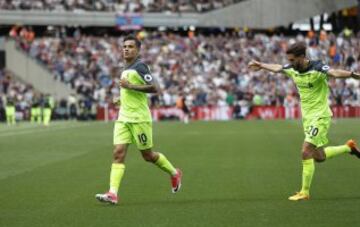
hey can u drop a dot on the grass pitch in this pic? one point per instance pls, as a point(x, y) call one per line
point(236, 173)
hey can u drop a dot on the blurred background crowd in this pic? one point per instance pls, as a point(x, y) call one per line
point(137, 6)
point(198, 68)
point(207, 70)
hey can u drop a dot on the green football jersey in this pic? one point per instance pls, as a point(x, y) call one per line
point(312, 85)
point(134, 104)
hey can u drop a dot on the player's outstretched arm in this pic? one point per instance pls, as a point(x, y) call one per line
point(146, 88)
point(256, 65)
point(343, 74)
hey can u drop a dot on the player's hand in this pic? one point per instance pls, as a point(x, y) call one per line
point(125, 84)
point(254, 65)
point(116, 101)
point(355, 75)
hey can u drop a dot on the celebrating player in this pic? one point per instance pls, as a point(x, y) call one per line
point(311, 79)
point(134, 124)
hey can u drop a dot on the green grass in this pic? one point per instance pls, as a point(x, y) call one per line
point(237, 173)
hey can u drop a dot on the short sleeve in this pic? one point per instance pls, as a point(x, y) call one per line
point(144, 71)
point(323, 70)
point(288, 70)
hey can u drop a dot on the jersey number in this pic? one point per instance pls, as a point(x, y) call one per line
point(142, 138)
point(313, 131)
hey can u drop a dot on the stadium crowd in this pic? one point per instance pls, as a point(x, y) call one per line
point(14, 91)
point(24, 97)
point(138, 6)
point(209, 70)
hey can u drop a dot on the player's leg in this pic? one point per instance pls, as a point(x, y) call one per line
point(32, 113)
point(117, 167)
point(308, 169)
point(316, 132)
point(186, 114)
point(186, 118)
point(349, 148)
point(38, 115)
point(308, 165)
point(332, 151)
point(122, 138)
point(326, 153)
point(142, 133)
point(47, 116)
point(10, 115)
point(116, 174)
point(164, 164)
point(13, 118)
point(322, 154)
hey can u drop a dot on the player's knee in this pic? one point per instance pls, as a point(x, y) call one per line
point(149, 156)
point(306, 154)
point(119, 154)
point(319, 159)
point(119, 157)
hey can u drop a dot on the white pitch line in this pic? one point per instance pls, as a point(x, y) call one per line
point(25, 126)
point(42, 130)
point(7, 128)
point(22, 127)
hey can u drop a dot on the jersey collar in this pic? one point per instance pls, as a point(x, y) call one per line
point(132, 63)
point(308, 68)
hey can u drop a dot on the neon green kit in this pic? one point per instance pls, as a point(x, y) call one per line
point(314, 92)
point(134, 124)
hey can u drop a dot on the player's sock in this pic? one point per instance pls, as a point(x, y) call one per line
point(116, 174)
point(307, 175)
point(336, 150)
point(165, 165)
point(186, 119)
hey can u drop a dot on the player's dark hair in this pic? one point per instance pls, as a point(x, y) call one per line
point(132, 37)
point(297, 49)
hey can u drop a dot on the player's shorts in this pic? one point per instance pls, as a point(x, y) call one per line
point(35, 111)
point(316, 130)
point(138, 133)
point(47, 111)
point(10, 110)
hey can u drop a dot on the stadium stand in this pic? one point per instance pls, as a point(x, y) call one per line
point(117, 5)
point(18, 91)
point(213, 68)
point(209, 67)
point(24, 95)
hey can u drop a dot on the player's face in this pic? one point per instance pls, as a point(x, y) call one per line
point(130, 50)
point(296, 62)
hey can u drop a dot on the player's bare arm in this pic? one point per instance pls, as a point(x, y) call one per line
point(256, 65)
point(147, 88)
point(343, 74)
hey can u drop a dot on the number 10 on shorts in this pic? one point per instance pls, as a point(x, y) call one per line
point(313, 131)
point(142, 138)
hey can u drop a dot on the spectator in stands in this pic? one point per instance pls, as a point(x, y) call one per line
point(182, 104)
point(19, 93)
point(116, 5)
point(72, 104)
point(208, 70)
